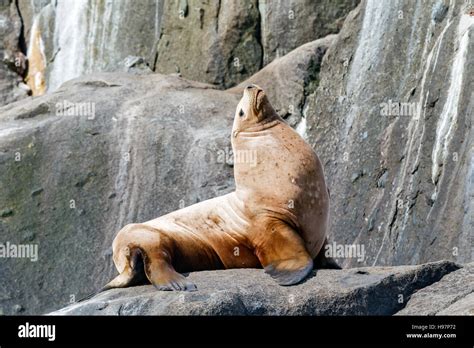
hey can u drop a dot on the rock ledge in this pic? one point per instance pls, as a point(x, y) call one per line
point(356, 291)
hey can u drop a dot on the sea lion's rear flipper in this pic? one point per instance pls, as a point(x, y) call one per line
point(133, 274)
point(283, 255)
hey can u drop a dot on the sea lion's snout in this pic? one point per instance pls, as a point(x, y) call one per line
point(255, 95)
point(252, 89)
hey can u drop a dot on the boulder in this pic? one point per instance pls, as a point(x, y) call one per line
point(452, 295)
point(358, 291)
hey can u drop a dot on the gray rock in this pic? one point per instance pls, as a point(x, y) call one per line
point(220, 37)
point(17, 309)
point(439, 11)
point(358, 291)
point(80, 38)
point(6, 212)
point(231, 40)
point(398, 76)
point(136, 65)
point(28, 10)
point(218, 42)
point(285, 25)
point(452, 295)
point(12, 58)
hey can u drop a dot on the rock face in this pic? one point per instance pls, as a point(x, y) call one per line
point(358, 291)
point(231, 40)
point(285, 25)
point(392, 122)
point(101, 152)
point(219, 35)
point(68, 39)
point(217, 42)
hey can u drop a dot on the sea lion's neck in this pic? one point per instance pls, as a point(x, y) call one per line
point(268, 122)
point(261, 126)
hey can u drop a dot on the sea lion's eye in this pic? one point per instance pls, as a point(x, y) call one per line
point(241, 113)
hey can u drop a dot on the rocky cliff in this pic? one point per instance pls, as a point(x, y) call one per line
point(392, 119)
point(387, 104)
point(221, 42)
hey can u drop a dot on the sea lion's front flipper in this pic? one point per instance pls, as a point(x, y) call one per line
point(283, 255)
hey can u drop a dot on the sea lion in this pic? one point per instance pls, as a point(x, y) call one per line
point(277, 217)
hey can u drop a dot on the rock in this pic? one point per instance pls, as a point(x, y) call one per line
point(220, 38)
point(36, 191)
point(232, 40)
point(356, 176)
point(380, 80)
point(382, 180)
point(358, 291)
point(439, 11)
point(17, 308)
point(66, 40)
point(286, 25)
point(289, 79)
point(6, 212)
point(452, 295)
point(222, 43)
point(28, 10)
point(13, 61)
point(136, 65)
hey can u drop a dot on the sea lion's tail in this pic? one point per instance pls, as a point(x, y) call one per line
point(324, 262)
point(133, 274)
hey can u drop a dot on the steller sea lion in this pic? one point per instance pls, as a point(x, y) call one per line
point(277, 217)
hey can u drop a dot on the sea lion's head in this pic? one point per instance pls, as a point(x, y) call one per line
point(253, 109)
